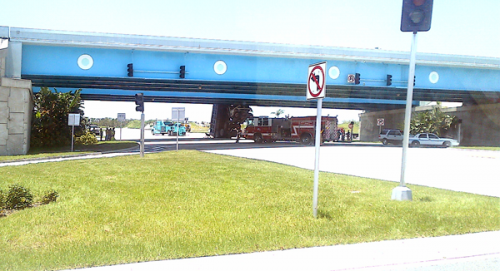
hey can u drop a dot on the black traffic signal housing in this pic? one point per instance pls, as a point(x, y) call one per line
point(139, 101)
point(416, 15)
point(130, 70)
point(357, 78)
point(182, 73)
point(414, 79)
point(389, 79)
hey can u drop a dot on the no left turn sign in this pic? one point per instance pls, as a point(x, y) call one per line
point(316, 81)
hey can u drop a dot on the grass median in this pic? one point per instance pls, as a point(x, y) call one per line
point(103, 146)
point(188, 204)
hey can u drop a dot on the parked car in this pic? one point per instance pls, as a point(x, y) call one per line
point(432, 140)
point(392, 136)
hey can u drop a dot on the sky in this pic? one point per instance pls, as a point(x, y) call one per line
point(459, 27)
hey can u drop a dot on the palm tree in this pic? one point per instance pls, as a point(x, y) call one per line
point(432, 121)
point(278, 112)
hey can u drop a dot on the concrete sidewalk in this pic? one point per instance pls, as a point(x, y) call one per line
point(479, 250)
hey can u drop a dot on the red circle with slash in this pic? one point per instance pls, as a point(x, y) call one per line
point(313, 78)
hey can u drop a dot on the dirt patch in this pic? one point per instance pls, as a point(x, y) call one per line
point(6, 212)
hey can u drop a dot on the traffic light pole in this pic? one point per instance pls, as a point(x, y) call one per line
point(402, 192)
point(142, 134)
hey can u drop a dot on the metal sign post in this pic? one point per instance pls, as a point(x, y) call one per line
point(178, 113)
point(121, 118)
point(316, 157)
point(402, 192)
point(73, 120)
point(316, 89)
point(72, 136)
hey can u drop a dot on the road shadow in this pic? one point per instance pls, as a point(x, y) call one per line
point(206, 144)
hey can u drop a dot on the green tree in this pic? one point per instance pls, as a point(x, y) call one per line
point(50, 117)
point(432, 121)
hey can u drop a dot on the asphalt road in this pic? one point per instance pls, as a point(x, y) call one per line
point(453, 169)
point(473, 171)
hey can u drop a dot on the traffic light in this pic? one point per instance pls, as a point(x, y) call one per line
point(130, 70)
point(139, 101)
point(416, 15)
point(182, 73)
point(389, 79)
point(357, 78)
point(414, 79)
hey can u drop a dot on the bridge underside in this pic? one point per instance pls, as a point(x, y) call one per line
point(262, 94)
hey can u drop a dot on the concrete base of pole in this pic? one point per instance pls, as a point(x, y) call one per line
point(401, 193)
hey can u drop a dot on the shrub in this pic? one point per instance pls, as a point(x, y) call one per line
point(18, 197)
point(86, 139)
point(49, 126)
point(50, 196)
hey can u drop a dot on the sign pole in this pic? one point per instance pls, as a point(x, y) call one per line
point(73, 120)
point(121, 118)
point(72, 136)
point(316, 89)
point(316, 158)
point(178, 113)
point(178, 130)
point(402, 192)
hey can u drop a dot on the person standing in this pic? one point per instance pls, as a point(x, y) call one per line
point(238, 136)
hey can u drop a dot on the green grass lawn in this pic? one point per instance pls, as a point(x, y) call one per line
point(196, 128)
point(188, 204)
point(103, 146)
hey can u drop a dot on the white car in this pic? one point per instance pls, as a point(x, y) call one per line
point(432, 140)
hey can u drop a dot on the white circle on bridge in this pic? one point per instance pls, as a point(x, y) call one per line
point(220, 67)
point(85, 62)
point(334, 72)
point(433, 77)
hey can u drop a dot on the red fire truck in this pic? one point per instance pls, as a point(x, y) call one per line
point(301, 129)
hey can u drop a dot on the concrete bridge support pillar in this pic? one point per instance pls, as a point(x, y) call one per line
point(480, 123)
point(369, 131)
point(16, 107)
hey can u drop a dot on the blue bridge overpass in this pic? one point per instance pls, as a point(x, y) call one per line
point(228, 72)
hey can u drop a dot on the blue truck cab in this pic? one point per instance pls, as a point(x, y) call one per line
point(177, 128)
point(168, 127)
point(161, 127)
